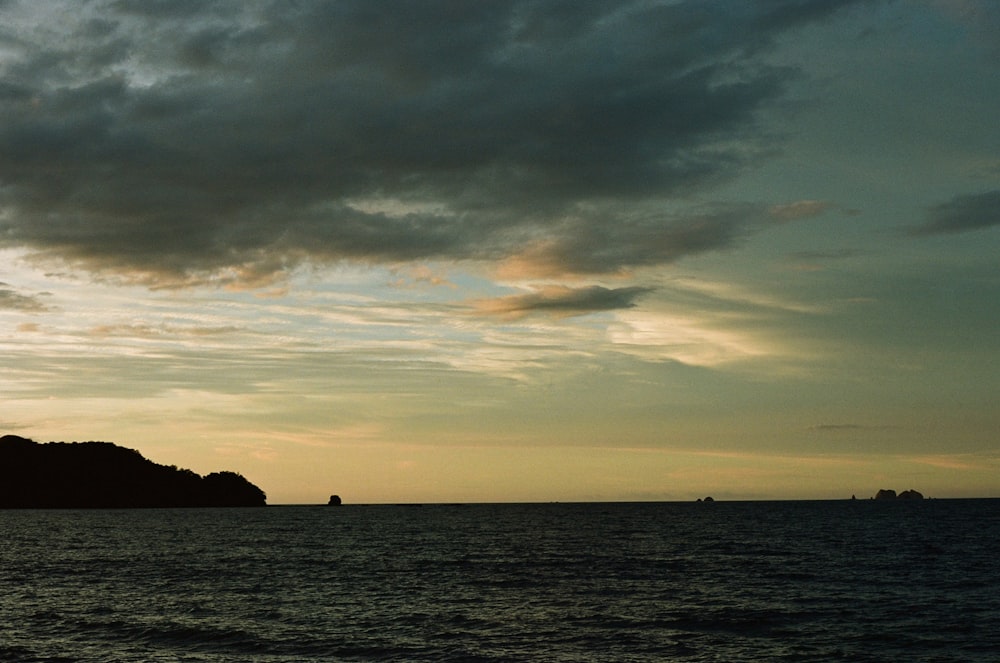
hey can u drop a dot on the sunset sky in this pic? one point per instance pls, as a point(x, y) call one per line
point(508, 251)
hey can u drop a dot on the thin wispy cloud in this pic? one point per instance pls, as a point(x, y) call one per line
point(847, 428)
point(145, 331)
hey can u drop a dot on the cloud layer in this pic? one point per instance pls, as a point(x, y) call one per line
point(962, 213)
point(562, 301)
point(12, 299)
point(229, 141)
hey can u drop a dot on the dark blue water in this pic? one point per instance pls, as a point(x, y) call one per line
point(750, 581)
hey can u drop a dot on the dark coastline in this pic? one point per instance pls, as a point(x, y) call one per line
point(82, 475)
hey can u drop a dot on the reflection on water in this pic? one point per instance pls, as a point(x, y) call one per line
point(546, 582)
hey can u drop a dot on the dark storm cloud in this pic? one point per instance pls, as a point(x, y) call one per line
point(167, 140)
point(962, 214)
point(562, 301)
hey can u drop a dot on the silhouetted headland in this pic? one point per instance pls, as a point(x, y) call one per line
point(82, 475)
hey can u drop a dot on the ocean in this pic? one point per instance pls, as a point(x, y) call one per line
point(725, 581)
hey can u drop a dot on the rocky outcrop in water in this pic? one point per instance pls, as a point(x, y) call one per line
point(104, 475)
point(889, 494)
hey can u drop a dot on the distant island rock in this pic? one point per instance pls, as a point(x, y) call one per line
point(105, 475)
point(334, 501)
point(889, 494)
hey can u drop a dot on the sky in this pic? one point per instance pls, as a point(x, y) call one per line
point(509, 250)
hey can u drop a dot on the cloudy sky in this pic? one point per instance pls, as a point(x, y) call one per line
point(511, 250)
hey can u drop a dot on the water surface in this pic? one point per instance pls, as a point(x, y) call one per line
point(726, 581)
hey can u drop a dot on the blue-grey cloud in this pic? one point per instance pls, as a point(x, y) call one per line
point(172, 139)
point(835, 254)
point(962, 214)
point(561, 301)
point(604, 240)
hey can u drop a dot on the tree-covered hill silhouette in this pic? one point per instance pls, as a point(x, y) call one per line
point(105, 475)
